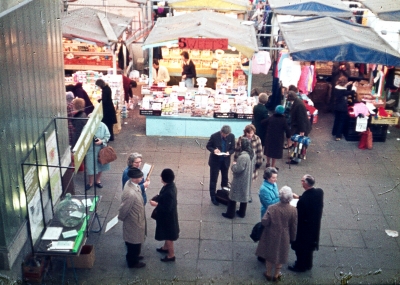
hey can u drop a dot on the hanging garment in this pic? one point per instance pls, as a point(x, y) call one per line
point(290, 73)
point(261, 62)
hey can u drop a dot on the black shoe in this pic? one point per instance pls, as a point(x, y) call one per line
point(162, 250)
point(98, 185)
point(138, 265)
point(260, 259)
point(88, 186)
point(166, 259)
point(238, 213)
point(225, 215)
point(251, 200)
point(214, 201)
point(292, 162)
point(295, 269)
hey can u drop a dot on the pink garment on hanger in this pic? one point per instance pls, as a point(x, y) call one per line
point(302, 85)
point(261, 63)
point(360, 108)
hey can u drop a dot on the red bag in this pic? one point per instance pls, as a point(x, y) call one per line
point(365, 140)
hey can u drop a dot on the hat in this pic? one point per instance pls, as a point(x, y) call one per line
point(134, 172)
point(263, 98)
point(70, 96)
point(167, 175)
point(280, 109)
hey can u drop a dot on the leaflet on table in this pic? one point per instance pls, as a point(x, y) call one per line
point(61, 245)
point(52, 233)
point(69, 234)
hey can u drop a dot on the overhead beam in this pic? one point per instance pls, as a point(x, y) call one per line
point(112, 37)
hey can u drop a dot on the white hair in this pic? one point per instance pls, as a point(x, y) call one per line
point(285, 194)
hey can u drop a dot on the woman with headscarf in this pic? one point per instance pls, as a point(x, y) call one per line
point(166, 206)
point(276, 127)
point(242, 171)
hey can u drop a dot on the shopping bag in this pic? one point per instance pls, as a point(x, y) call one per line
point(361, 124)
point(106, 155)
point(365, 140)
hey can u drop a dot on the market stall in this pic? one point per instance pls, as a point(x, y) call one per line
point(90, 37)
point(362, 45)
point(217, 44)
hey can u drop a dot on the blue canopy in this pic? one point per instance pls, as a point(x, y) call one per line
point(334, 39)
point(334, 8)
point(387, 10)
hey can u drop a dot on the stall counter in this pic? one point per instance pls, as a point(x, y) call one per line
point(179, 126)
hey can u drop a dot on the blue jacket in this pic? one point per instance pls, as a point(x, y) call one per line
point(268, 195)
point(125, 178)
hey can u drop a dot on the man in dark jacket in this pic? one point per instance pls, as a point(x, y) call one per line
point(309, 212)
point(221, 146)
point(109, 114)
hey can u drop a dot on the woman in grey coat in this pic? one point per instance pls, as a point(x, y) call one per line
point(242, 171)
point(280, 225)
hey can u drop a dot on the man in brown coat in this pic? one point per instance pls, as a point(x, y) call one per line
point(132, 214)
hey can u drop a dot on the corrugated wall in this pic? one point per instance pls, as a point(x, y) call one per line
point(31, 94)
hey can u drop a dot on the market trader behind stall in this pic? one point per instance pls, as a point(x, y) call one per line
point(160, 73)
point(188, 70)
point(221, 146)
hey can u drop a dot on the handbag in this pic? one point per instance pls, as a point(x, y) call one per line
point(106, 155)
point(257, 232)
point(154, 214)
point(365, 140)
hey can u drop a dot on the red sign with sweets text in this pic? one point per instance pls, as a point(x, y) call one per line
point(203, 43)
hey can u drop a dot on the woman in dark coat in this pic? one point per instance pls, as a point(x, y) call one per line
point(109, 114)
point(340, 95)
point(276, 127)
point(280, 225)
point(299, 122)
point(167, 225)
point(260, 114)
point(80, 119)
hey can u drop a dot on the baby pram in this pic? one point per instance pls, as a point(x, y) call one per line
point(298, 151)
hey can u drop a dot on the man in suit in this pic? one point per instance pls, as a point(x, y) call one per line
point(132, 214)
point(220, 142)
point(309, 212)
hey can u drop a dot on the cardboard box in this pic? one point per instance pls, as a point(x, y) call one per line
point(385, 120)
point(85, 258)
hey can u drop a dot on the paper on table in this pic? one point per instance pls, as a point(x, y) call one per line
point(87, 202)
point(52, 233)
point(62, 245)
point(294, 202)
point(69, 234)
point(111, 223)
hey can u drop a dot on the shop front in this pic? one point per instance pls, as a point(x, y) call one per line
point(218, 46)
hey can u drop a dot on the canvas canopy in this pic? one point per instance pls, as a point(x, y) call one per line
point(217, 5)
point(387, 10)
point(334, 8)
point(85, 24)
point(203, 24)
point(334, 39)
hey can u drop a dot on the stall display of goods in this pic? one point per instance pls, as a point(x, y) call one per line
point(88, 79)
point(324, 68)
point(189, 102)
point(385, 117)
point(79, 55)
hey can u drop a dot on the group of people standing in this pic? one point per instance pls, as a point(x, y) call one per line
point(132, 212)
point(284, 225)
point(79, 108)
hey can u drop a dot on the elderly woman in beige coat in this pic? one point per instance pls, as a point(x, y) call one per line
point(132, 214)
point(280, 225)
